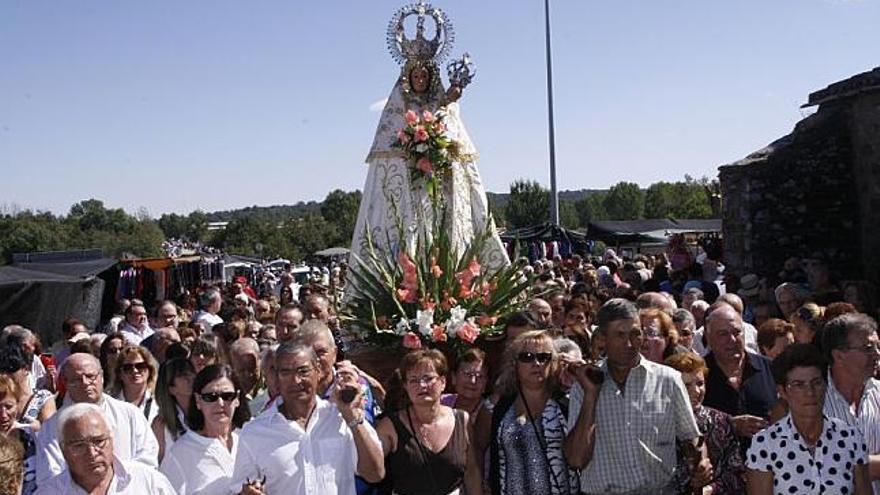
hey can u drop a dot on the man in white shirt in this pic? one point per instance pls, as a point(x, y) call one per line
point(137, 325)
point(851, 345)
point(304, 444)
point(133, 439)
point(87, 446)
point(209, 303)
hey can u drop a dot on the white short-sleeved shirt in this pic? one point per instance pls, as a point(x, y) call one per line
point(134, 335)
point(208, 320)
point(780, 450)
point(318, 460)
point(131, 478)
point(865, 416)
point(199, 465)
point(636, 429)
point(133, 440)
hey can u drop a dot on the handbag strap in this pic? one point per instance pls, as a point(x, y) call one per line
point(541, 441)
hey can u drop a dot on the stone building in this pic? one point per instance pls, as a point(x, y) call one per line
point(816, 189)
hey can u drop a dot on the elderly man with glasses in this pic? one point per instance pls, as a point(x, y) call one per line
point(88, 448)
point(132, 438)
point(851, 345)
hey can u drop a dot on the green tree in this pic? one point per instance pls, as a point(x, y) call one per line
point(568, 215)
point(528, 204)
point(29, 232)
point(591, 208)
point(661, 200)
point(340, 209)
point(625, 201)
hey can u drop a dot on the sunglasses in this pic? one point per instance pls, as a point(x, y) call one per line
point(131, 367)
point(534, 357)
point(214, 396)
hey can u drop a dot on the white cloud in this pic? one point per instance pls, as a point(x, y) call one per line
point(378, 105)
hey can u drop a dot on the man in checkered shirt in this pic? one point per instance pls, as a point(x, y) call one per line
point(629, 444)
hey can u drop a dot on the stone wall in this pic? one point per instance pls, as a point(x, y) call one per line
point(817, 189)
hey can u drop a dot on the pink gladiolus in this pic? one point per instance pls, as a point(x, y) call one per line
point(421, 135)
point(407, 295)
point(412, 341)
point(411, 117)
point(427, 116)
point(467, 332)
point(410, 275)
point(427, 303)
point(438, 334)
point(425, 165)
point(474, 268)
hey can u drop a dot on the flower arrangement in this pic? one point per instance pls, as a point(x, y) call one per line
point(433, 296)
point(425, 293)
point(427, 146)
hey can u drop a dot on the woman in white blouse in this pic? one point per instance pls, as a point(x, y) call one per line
point(134, 379)
point(201, 461)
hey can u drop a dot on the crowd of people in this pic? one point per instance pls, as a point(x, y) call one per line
point(618, 376)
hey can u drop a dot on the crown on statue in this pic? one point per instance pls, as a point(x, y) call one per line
point(419, 48)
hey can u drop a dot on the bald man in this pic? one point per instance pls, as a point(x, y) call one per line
point(87, 444)
point(132, 437)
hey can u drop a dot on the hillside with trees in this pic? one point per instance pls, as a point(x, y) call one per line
point(296, 231)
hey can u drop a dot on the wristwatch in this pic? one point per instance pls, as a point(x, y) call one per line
point(355, 422)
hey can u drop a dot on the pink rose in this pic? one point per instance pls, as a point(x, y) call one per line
point(425, 165)
point(412, 341)
point(411, 117)
point(467, 332)
point(421, 135)
point(402, 136)
point(438, 334)
point(427, 116)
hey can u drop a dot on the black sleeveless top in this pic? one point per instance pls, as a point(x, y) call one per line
point(420, 471)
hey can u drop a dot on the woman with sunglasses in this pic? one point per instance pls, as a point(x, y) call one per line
point(134, 379)
point(109, 352)
point(173, 392)
point(426, 443)
point(525, 432)
point(202, 460)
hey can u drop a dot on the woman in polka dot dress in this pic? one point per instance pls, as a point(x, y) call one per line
point(806, 452)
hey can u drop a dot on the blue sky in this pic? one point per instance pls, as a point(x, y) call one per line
point(174, 106)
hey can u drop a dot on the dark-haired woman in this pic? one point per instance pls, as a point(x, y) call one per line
point(202, 460)
point(806, 451)
point(173, 392)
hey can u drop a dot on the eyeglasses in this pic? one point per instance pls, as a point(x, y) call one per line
point(867, 348)
point(425, 380)
point(86, 378)
point(80, 447)
point(303, 372)
point(132, 367)
point(815, 384)
point(473, 375)
point(541, 358)
point(214, 396)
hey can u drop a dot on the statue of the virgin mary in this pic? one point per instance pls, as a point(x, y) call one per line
point(395, 200)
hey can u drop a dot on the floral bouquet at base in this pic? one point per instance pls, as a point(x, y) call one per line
point(432, 296)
